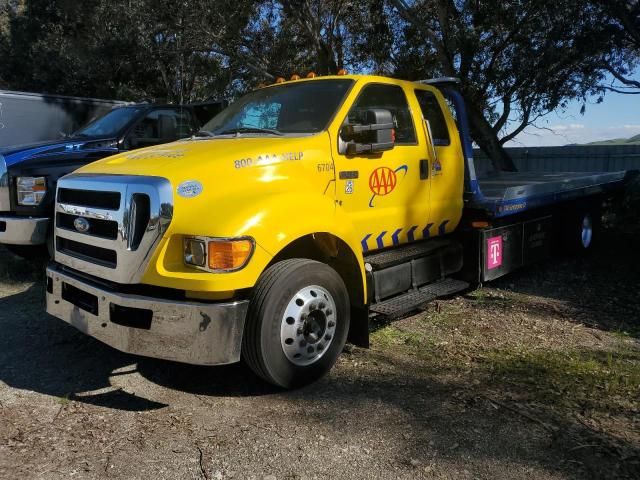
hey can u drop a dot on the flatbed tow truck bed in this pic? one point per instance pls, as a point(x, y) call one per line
point(508, 193)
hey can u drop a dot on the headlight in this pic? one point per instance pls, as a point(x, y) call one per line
point(31, 190)
point(218, 254)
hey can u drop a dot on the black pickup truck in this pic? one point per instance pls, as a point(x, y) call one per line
point(29, 173)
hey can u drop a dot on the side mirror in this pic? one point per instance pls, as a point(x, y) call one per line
point(374, 134)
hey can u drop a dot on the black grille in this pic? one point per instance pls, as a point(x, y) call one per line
point(90, 253)
point(90, 198)
point(98, 228)
point(142, 208)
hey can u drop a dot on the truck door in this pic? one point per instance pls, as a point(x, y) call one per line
point(387, 194)
point(446, 162)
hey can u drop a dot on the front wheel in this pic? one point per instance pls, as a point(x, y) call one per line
point(28, 252)
point(297, 322)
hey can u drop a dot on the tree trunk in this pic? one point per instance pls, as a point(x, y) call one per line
point(483, 134)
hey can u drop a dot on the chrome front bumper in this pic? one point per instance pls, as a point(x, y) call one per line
point(23, 230)
point(188, 332)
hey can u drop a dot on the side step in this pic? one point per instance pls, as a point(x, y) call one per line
point(401, 305)
point(396, 256)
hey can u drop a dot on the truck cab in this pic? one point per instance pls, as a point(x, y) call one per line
point(299, 212)
point(29, 173)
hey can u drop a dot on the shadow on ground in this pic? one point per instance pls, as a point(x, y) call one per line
point(602, 289)
point(449, 414)
point(442, 416)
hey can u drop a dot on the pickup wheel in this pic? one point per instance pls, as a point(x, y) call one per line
point(297, 322)
point(28, 252)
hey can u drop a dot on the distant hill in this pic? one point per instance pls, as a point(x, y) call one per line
point(635, 140)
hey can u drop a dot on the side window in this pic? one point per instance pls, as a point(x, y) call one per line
point(432, 112)
point(186, 123)
point(389, 97)
point(161, 126)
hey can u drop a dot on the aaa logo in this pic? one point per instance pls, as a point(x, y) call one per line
point(383, 181)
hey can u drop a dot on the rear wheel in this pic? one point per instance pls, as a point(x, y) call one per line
point(297, 322)
point(581, 230)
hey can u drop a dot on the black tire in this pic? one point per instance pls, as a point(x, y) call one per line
point(581, 230)
point(29, 252)
point(278, 286)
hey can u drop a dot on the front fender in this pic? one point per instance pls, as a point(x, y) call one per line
point(274, 222)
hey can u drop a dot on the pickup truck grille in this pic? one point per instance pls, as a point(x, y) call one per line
point(109, 225)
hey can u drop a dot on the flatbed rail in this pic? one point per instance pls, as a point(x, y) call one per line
point(508, 193)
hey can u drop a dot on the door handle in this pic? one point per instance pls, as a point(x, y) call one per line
point(424, 169)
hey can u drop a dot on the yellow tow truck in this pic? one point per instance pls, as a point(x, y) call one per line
point(296, 214)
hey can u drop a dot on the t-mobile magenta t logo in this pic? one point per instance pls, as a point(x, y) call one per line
point(494, 252)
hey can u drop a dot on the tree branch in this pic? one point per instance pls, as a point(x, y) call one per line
point(621, 78)
point(506, 111)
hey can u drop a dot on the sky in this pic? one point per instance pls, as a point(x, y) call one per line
point(618, 116)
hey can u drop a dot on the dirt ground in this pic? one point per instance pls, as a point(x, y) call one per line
point(535, 376)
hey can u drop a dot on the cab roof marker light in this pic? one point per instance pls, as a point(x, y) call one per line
point(280, 80)
point(341, 72)
point(311, 75)
point(295, 77)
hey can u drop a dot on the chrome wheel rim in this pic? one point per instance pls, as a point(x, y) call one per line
point(587, 231)
point(308, 325)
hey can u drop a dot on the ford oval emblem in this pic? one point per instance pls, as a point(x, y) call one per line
point(190, 189)
point(81, 224)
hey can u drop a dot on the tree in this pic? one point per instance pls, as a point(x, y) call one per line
point(188, 42)
point(517, 61)
point(127, 49)
point(298, 36)
point(623, 20)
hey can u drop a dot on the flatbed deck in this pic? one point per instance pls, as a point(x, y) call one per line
point(509, 193)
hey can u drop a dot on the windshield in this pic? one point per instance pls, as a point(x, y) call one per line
point(304, 107)
point(110, 124)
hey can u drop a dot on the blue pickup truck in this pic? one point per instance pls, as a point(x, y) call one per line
point(29, 173)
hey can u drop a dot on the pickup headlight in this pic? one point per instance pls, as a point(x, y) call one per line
point(31, 190)
point(218, 254)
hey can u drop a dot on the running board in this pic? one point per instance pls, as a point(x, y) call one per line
point(404, 254)
point(405, 303)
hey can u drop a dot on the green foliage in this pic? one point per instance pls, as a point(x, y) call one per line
point(572, 375)
point(517, 60)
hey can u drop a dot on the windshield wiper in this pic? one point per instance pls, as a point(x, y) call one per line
point(203, 133)
point(239, 130)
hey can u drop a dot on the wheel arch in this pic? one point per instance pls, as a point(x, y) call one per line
point(328, 248)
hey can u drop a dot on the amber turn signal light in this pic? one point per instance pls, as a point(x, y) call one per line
point(229, 255)
point(479, 224)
